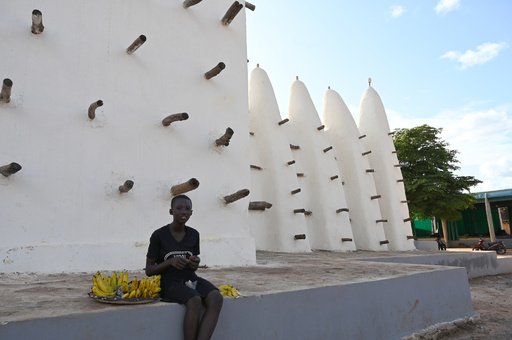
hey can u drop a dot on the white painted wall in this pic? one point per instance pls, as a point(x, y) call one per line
point(358, 184)
point(322, 195)
point(63, 210)
point(273, 229)
point(374, 124)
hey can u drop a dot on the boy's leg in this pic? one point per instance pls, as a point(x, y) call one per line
point(213, 303)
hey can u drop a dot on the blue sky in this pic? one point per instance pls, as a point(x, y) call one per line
point(446, 63)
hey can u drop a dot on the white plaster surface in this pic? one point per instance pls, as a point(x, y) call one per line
point(63, 210)
point(322, 196)
point(359, 185)
point(374, 124)
point(273, 229)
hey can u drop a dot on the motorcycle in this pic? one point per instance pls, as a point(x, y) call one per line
point(499, 247)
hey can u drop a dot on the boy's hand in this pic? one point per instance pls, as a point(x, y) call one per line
point(178, 262)
point(194, 262)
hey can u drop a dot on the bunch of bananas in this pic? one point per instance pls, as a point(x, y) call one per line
point(121, 287)
point(228, 290)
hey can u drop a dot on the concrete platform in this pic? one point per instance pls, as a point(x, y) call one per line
point(318, 295)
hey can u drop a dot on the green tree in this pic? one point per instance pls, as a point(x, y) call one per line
point(430, 184)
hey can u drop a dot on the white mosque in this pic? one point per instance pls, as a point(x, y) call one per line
point(110, 108)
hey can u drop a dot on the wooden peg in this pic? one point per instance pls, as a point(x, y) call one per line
point(127, 186)
point(405, 201)
point(250, 6)
point(10, 169)
point(37, 22)
point(291, 162)
point(384, 242)
point(259, 205)
point(296, 191)
point(236, 196)
point(299, 237)
point(410, 237)
point(92, 109)
point(398, 165)
point(366, 153)
point(174, 117)
point(383, 221)
point(224, 139)
point(375, 197)
point(231, 13)
point(256, 167)
point(346, 239)
point(286, 120)
point(308, 213)
point(341, 210)
point(407, 219)
point(299, 211)
point(294, 147)
point(321, 127)
point(334, 177)
point(391, 133)
point(370, 170)
point(400, 180)
point(188, 3)
point(327, 149)
point(136, 44)
point(300, 174)
point(394, 151)
point(5, 94)
point(191, 184)
point(361, 137)
point(215, 71)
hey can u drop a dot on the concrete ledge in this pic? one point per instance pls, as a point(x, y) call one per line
point(381, 309)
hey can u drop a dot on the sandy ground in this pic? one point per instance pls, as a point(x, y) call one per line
point(492, 300)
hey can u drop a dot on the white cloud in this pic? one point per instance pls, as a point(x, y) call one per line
point(483, 54)
point(445, 6)
point(483, 139)
point(397, 11)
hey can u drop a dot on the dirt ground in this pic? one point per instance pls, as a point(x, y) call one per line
point(492, 300)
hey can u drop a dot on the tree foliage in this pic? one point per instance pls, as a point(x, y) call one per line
point(430, 184)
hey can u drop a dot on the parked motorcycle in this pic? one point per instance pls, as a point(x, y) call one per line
point(499, 247)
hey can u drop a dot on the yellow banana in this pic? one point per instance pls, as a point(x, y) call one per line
point(135, 283)
point(96, 291)
point(132, 294)
point(124, 287)
point(126, 295)
point(114, 279)
point(103, 286)
point(225, 287)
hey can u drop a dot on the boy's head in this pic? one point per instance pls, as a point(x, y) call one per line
point(181, 208)
point(175, 198)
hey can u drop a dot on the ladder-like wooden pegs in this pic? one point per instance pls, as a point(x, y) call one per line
point(174, 117)
point(299, 237)
point(127, 186)
point(188, 3)
point(5, 94)
point(10, 169)
point(300, 174)
point(405, 201)
point(250, 6)
point(191, 184)
point(291, 162)
point(400, 180)
point(136, 44)
point(236, 196)
point(366, 153)
point(375, 197)
point(370, 170)
point(286, 120)
point(334, 177)
point(37, 22)
point(296, 191)
point(259, 205)
point(384, 242)
point(321, 127)
point(361, 137)
point(231, 13)
point(92, 109)
point(294, 147)
point(383, 221)
point(215, 71)
point(346, 239)
point(341, 210)
point(328, 149)
point(407, 219)
point(256, 167)
point(224, 139)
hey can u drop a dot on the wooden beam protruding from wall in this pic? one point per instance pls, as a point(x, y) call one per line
point(231, 13)
point(189, 185)
point(5, 94)
point(224, 139)
point(37, 22)
point(127, 186)
point(10, 169)
point(215, 71)
point(92, 109)
point(188, 3)
point(236, 196)
point(286, 120)
point(250, 6)
point(259, 205)
point(136, 44)
point(299, 237)
point(174, 118)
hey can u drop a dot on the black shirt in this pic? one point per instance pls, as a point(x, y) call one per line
point(162, 246)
